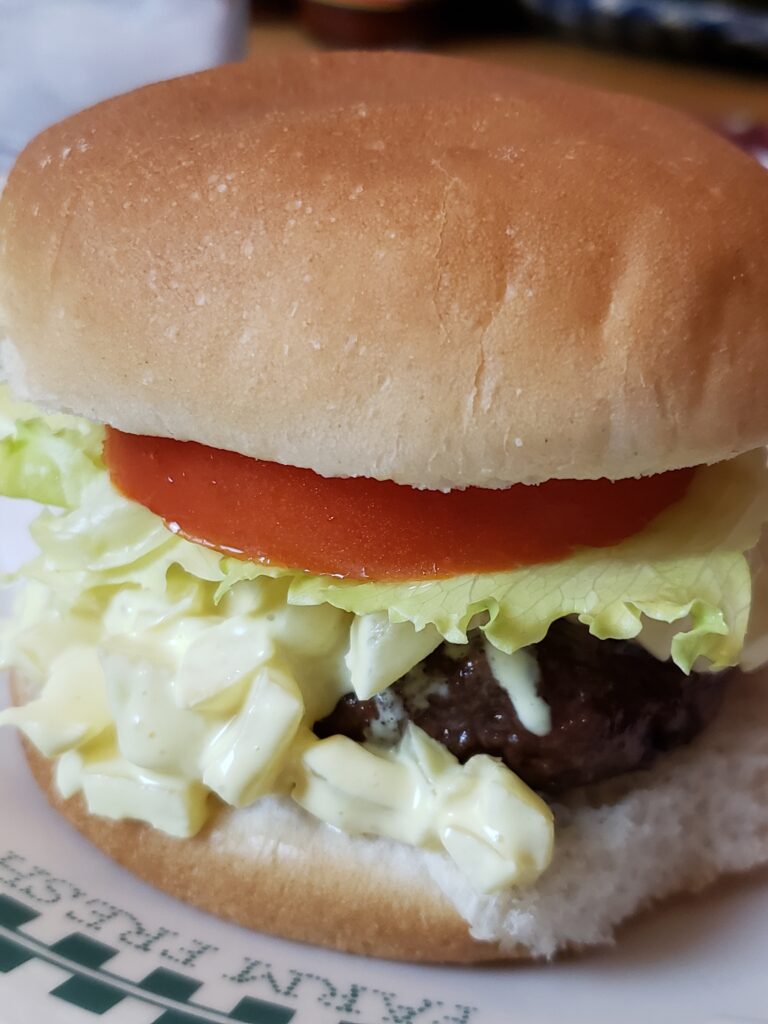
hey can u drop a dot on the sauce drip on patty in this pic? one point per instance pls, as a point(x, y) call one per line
point(614, 708)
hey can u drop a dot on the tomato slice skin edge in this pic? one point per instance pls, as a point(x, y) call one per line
point(366, 529)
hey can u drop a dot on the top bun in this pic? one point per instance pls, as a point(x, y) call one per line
point(406, 267)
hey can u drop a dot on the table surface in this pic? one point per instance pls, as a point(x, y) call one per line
point(711, 92)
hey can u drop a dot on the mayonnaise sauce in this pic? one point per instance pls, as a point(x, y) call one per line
point(518, 674)
point(156, 704)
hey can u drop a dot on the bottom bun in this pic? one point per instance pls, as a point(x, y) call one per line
point(699, 813)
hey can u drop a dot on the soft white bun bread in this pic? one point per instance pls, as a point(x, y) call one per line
point(394, 265)
point(698, 813)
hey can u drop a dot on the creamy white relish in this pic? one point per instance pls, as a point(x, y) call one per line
point(157, 704)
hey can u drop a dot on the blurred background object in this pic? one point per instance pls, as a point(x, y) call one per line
point(57, 56)
point(723, 92)
point(724, 31)
point(403, 23)
point(749, 136)
point(369, 23)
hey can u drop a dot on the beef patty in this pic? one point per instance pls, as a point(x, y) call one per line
point(614, 707)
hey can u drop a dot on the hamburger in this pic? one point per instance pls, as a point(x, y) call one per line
point(402, 423)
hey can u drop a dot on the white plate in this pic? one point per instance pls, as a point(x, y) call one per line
point(79, 936)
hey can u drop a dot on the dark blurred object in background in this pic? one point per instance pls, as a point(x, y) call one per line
point(734, 32)
point(405, 23)
point(372, 23)
point(731, 32)
point(270, 8)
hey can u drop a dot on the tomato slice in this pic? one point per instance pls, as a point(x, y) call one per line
point(374, 529)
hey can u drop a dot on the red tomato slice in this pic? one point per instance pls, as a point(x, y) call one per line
point(374, 529)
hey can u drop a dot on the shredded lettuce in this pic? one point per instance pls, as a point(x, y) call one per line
point(46, 458)
point(687, 567)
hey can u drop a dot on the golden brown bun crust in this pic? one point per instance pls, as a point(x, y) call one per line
point(343, 906)
point(399, 266)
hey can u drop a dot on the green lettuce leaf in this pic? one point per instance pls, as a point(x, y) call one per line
point(688, 567)
point(46, 458)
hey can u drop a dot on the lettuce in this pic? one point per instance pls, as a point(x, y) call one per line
point(687, 567)
point(46, 458)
